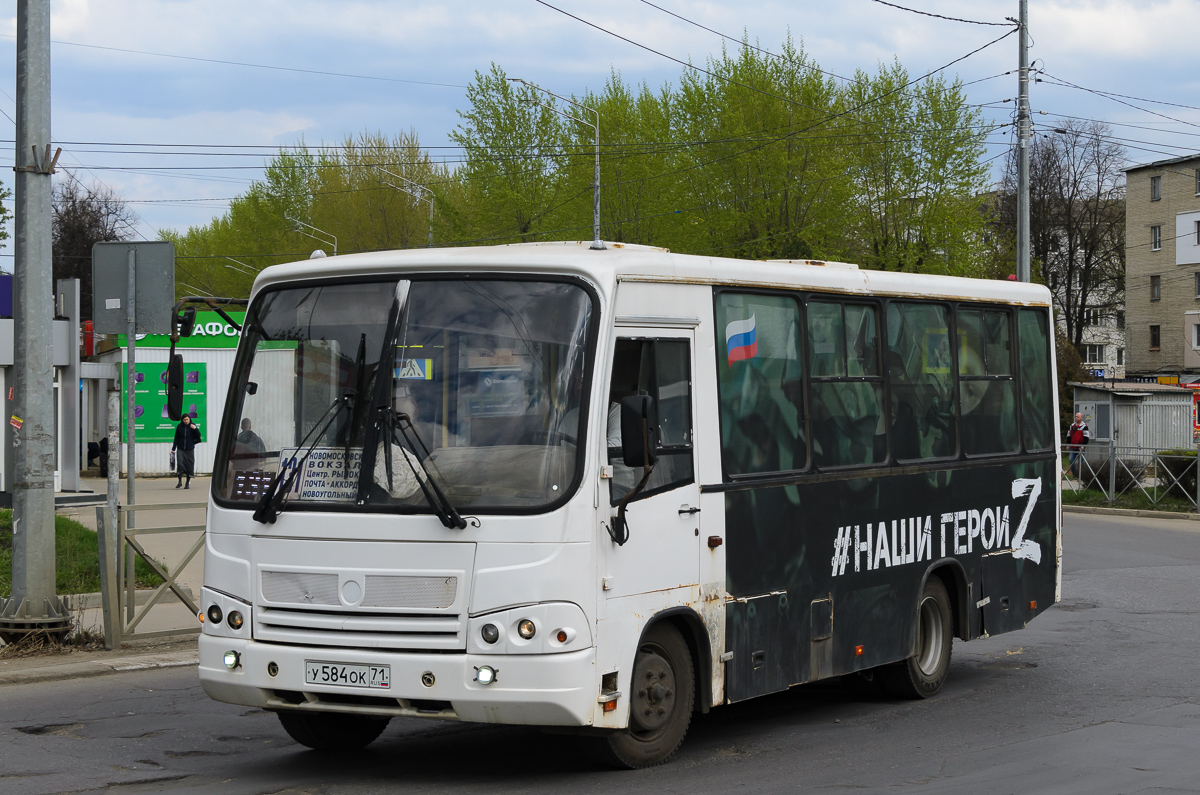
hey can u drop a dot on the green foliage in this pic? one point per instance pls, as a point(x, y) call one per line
point(754, 156)
point(77, 556)
point(5, 213)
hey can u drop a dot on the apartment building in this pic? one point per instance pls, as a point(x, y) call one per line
point(1162, 271)
point(1102, 344)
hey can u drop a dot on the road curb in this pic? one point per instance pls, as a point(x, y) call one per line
point(86, 669)
point(1193, 517)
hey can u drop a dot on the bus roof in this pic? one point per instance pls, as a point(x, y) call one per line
point(637, 263)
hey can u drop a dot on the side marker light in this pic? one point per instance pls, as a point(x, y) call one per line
point(858, 650)
point(610, 706)
point(1033, 604)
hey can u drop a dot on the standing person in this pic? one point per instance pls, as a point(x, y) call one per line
point(187, 436)
point(1077, 436)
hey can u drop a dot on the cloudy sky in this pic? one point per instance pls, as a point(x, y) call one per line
point(175, 103)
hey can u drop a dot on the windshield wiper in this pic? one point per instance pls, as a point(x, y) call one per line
point(437, 499)
point(271, 503)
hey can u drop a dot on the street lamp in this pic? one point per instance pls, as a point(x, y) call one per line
point(414, 189)
point(244, 269)
point(299, 224)
point(596, 244)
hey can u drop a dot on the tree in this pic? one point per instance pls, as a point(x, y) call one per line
point(5, 213)
point(83, 216)
point(1076, 219)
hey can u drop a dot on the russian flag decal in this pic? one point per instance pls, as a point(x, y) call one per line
point(741, 340)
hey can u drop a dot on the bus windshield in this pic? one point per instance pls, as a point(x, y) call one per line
point(481, 391)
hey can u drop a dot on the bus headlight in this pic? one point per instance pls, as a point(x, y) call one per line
point(490, 633)
point(526, 628)
point(214, 614)
point(234, 620)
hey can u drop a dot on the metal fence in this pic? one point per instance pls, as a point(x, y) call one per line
point(1111, 471)
point(123, 611)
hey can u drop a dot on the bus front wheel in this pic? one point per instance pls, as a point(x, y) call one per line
point(922, 675)
point(663, 694)
point(332, 731)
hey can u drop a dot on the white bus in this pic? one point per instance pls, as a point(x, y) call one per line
point(606, 489)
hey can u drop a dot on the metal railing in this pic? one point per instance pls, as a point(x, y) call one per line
point(121, 610)
point(1111, 471)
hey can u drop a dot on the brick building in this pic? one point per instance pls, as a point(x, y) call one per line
point(1162, 271)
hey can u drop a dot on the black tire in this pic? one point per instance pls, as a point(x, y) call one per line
point(662, 696)
point(923, 674)
point(332, 731)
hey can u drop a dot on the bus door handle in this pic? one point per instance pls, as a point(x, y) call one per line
point(687, 510)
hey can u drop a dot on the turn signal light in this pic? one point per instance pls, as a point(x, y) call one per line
point(562, 636)
point(610, 706)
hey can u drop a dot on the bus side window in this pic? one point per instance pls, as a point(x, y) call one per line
point(920, 381)
point(987, 395)
point(847, 391)
point(760, 378)
point(1036, 402)
point(662, 369)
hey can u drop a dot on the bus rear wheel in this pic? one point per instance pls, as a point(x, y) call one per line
point(332, 731)
point(923, 674)
point(662, 696)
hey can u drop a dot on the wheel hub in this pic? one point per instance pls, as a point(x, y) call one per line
point(653, 693)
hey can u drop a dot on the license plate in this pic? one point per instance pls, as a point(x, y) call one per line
point(343, 675)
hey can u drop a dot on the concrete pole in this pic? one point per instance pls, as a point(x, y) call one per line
point(1023, 143)
point(596, 244)
point(34, 604)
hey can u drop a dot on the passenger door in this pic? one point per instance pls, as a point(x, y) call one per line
point(663, 520)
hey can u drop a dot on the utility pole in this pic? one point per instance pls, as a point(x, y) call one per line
point(1023, 140)
point(34, 605)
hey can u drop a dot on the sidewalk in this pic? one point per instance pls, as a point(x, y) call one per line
point(142, 656)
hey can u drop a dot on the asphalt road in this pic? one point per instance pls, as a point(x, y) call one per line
point(1098, 695)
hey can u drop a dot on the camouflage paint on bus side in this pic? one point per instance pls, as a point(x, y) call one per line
point(815, 570)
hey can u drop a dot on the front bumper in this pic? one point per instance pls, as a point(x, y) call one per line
point(539, 690)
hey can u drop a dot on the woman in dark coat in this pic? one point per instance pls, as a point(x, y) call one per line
point(187, 436)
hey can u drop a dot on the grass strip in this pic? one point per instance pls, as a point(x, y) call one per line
point(77, 556)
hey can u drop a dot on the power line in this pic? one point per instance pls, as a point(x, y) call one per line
point(939, 16)
point(250, 65)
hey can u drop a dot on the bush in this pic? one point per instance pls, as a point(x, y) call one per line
point(1182, 465)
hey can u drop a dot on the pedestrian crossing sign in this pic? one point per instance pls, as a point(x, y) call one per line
point(419, 369)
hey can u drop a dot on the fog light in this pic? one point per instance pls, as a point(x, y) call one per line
point(234, 620)
point(232, 659)
point(214, 614)
point(485, 674)
point(526, 629)
point(490, 633)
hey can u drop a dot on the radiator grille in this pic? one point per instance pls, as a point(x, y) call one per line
point(383, 590)
point(300, 588)
point(359, 630)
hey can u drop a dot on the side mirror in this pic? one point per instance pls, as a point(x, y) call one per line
point(639, 430)
point(187, 322)
point(175, 388)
